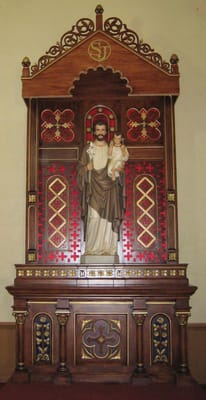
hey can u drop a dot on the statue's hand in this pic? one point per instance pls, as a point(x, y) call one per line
point(110, 149)
point(124, 150)
point(89, 166)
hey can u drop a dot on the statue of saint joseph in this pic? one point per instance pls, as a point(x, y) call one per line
point(102, 198)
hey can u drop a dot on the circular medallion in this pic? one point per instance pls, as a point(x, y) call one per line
point(99, 50)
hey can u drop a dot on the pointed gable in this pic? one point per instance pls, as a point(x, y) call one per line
point(110, 46)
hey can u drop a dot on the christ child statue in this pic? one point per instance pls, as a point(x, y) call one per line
point(118, 155)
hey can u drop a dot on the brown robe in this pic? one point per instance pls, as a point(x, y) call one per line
point(101, 193)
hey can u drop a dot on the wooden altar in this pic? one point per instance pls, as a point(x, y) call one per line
point(101, 322)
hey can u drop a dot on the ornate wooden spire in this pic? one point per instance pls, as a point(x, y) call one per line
point(99, 12)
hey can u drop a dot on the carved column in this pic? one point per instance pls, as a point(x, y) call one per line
point(63, 374)
point(182, 317)
point(139, 317)
point(21, 373)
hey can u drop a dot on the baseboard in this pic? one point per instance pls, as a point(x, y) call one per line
point(8, 350)
point(197, 351)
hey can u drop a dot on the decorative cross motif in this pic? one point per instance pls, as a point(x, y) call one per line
point(57, 126)
point(101, 339)
point(143, 125)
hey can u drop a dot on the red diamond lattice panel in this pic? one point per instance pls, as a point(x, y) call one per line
point(59, 221)
point(143, 232)
point(144, 224)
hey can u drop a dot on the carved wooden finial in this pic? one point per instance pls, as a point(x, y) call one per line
point(174, 63)
point(26, 67)
point(99, 11)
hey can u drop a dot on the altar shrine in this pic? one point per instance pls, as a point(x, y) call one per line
point(101, 322)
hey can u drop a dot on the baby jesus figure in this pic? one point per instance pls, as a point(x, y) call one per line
point(118, 155)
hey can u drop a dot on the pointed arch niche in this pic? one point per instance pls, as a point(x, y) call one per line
point(102, 69)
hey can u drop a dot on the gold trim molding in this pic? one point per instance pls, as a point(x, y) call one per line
point(101, 273)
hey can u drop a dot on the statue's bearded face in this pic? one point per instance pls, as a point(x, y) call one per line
point(100, 132)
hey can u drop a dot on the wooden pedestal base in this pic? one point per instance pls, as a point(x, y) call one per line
point(62, 378)
point(141, 379)
point(102, 323)
point(20, 376)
